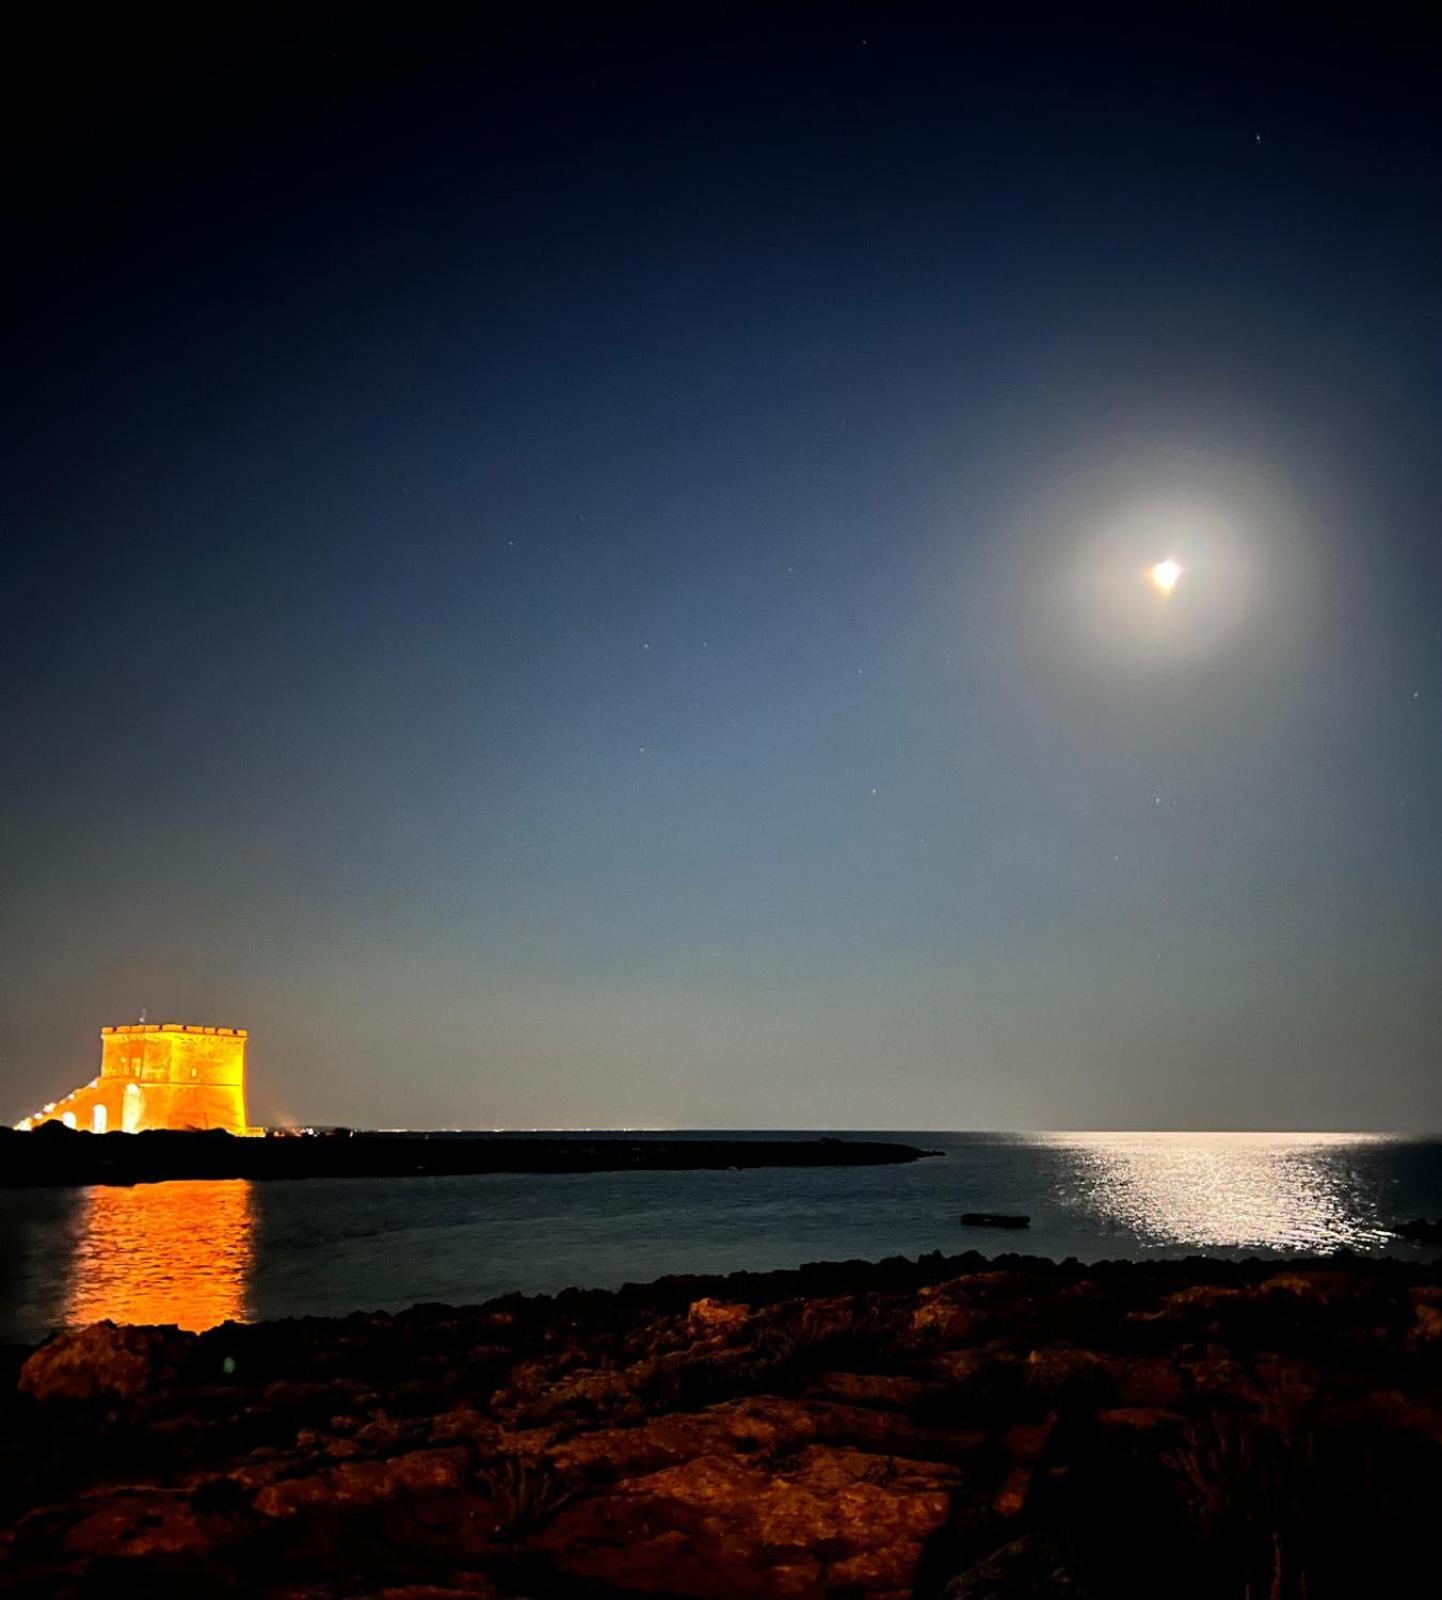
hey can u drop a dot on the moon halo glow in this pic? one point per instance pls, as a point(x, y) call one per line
point(1165, 575)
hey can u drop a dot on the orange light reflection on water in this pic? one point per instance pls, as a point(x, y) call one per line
point(163, 1252)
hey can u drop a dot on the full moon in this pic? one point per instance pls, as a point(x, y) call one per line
point(1165, 575)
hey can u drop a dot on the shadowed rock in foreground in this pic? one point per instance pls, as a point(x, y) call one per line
point(951, 1427)
point(55, 1155)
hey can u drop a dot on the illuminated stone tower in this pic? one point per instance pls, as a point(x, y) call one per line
point(159, 1075)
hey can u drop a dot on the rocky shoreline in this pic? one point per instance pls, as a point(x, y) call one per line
point(951, 1427)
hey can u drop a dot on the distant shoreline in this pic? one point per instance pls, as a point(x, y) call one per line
point(62, 1158)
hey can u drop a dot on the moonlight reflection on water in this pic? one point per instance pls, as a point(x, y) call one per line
point(1232, 1190)
point(198, 1253)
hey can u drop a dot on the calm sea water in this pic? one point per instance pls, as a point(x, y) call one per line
point(198, 1253)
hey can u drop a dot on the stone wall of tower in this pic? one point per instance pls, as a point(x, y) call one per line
point(160, 1075)
point(182, 1077)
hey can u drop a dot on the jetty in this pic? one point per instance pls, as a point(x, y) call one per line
point(56, 1155)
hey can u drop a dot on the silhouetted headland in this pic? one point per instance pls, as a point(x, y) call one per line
point(54, 1155)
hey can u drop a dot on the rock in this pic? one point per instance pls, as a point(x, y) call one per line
point(948, 1324)
point(979, 1386)
point(872, 1389)
point(1014, 1493)
point(1026, 1441)
point(103, 1362)
point(761, 1426)
point(1069, 1375)
point(871, 1432)
point(1426, 1331)
point(361, 1484)
point(716, 1526)
point(1145, 1380)
point(462, 1425)
point(1197, 1303)
point(1140, 1419)
point(718, 1316)
point(133, 1525)
point(468, 1586)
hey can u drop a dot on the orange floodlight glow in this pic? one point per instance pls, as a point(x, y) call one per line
point(172, 1075)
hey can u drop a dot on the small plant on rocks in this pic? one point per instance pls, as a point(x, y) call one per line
point(526, 1492)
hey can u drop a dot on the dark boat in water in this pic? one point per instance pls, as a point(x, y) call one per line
point(994, 1219)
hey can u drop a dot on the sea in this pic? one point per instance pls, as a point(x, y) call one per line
point(201, 1253)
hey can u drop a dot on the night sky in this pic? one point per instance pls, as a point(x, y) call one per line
point(591, 569)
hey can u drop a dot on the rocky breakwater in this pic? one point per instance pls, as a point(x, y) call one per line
point(950, 1427)
point(54, 1154)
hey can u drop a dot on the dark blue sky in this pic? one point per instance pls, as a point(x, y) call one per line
point(593, 571)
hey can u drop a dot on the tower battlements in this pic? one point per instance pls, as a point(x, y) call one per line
point(172, 1075)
